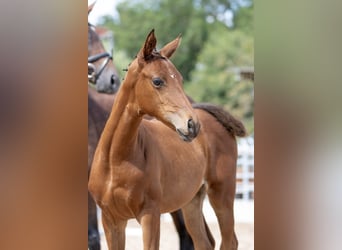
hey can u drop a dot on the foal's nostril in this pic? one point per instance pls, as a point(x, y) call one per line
point(190, 123)
point(112, 79)
point(191, 126)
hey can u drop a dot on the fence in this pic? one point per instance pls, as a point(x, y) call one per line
point(245, 169)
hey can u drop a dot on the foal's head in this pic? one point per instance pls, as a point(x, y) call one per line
point(158, 88)
point(101, 69)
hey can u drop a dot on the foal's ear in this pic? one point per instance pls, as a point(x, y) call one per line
point(171, 47)
point(149, 46)
point(90, 7)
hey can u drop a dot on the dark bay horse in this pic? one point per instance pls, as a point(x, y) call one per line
point(142, 168)
point(100, 63)
point(99, 107)
point(102, 73)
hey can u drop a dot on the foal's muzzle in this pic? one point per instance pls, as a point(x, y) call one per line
point(192, 131)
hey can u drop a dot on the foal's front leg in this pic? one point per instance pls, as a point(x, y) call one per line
point(150, 222)
point(115, 233)
point(195, 222)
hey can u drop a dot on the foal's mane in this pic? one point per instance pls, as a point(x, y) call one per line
point(154, 56)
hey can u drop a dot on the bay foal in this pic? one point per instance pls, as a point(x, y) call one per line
point(141, 167)
point(102, 73)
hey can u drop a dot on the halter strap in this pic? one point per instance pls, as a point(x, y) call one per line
point(94, 58)
point(95, 75)
point(91, 59)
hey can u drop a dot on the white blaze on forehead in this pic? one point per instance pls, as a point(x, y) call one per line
point(173, 76)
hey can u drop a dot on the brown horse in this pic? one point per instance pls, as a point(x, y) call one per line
point(99, 107)
point(142, 169)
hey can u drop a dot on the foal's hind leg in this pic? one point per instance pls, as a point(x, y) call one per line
point(221, 196)
point(195, 223)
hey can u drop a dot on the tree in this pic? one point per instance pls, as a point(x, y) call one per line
point(216, 79)
point(169, 18)
point(243, 19)
point(222, 10)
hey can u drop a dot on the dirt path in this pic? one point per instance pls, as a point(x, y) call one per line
point(244, 226)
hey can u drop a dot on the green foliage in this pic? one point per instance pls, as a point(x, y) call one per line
point(218, 8)
point(169, 19)
point(216, 77)
point(121, 61)
point(243, 19)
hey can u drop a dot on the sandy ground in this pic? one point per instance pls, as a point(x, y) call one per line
point(244, 227)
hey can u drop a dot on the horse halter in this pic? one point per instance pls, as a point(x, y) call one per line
point(92, 74)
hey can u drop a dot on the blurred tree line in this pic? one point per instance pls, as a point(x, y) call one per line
point(217, 40)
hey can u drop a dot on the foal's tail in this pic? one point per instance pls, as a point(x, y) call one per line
point(231, 124)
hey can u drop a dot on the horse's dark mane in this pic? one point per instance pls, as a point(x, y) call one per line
point(229, 122)
point(92, 36)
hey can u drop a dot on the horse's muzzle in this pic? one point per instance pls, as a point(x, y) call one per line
point(193, 130)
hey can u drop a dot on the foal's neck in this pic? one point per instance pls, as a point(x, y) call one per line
point(123, 123)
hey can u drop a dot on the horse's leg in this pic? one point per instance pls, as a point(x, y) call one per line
point(221, 196)
point(195, 223)
point(185, 240)
point(115, 232)
point(210, 236)
point(150, 223)
point(93, 232)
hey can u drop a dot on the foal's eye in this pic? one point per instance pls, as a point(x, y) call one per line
point(157, 82)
